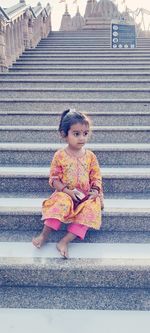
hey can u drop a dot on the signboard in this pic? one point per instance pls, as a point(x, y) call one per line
point(123, 35)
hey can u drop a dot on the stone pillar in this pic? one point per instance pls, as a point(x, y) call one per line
point(22, 33)
point(26, 30)
point(43, 27)
point(20, 36)
point(8, 46)
point(31, 33)
point(16, 39)
point(3, 61)
point(12, 40)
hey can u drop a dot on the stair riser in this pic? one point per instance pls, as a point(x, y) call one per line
point(76, 76)
point(50, 105)
point(99, 46)
point(43, 158)
point(57, 274)
point(74, 94)
point(53, 120)
point(112, 52)
point(39, 184)
point(82, 62)
point(75, 298)
point(99, 136)
point(82, 57)
point(72, 84)
point(111, 222)
point(84, 68)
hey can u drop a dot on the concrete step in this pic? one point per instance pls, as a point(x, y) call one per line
point(81, 93)
point(77, 298)
point(98, 76)
point(100, 134)
point(76, 47)
point(81, 62)
point(37, 154)
point(112, 52)
point(43, 118)
point(96, 104)
point(83, 70)
point(83, 43)
point(126, 218)
point(32, 319)
point(85, 56)
point(109, 67)
point(90, 267)
point(100, 46)
point(76, 43)
point(35, 180)
point(80, 83)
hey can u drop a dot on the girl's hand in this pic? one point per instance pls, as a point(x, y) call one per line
point(71, 193)
point(102, 205)
point(93, 194)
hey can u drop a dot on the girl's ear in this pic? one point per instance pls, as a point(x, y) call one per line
point(62, 133)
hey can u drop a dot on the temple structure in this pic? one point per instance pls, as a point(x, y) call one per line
point(98, 14)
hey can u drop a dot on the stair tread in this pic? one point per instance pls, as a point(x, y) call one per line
point(103, 251)
point(44, 171)
point(34, 204)
point(31, 320)
point(94, 128)
point(76, 89)
point(95, 146)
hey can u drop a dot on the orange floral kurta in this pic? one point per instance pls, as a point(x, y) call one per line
point(81, 173)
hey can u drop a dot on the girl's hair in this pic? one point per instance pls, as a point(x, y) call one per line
point(71, 117)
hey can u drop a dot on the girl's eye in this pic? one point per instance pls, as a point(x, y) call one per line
point(86, 133)
point(76, 134)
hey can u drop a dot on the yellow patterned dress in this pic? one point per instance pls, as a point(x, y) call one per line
point(81, 173)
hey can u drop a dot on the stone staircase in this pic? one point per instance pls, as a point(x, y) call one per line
point(111, 269)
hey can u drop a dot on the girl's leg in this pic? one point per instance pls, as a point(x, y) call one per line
point(74, 230)
point(49, 226)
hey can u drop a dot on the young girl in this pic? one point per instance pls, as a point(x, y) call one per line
point(74, 173)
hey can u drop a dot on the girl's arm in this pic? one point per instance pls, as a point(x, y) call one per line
point(59, 186)
point(56, 176)
point(96, 180)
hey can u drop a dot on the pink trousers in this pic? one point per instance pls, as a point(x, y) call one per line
point(76, 229)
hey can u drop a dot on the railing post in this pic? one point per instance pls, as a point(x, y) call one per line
point(26, 30)
point(3, 61)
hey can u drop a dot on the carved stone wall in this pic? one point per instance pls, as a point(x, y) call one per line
point(21, 27)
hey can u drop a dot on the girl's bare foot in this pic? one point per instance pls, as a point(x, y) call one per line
point(39, 240)
point(42, 238)
point(62, 247)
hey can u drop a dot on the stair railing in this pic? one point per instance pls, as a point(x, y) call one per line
point(21, 27)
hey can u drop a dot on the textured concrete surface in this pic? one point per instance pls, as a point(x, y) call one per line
point(42, 154)
point(38, 118)
point(66, 321)
point(83, 94)
point(100, 134)
point(78, 298)
point(115, 180)
point(117, 266)
point(82, 105)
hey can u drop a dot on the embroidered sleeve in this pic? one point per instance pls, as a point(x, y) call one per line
point(55, 169)
point(95, 174)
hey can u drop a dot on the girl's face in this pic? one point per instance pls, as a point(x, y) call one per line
point(77, 136)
